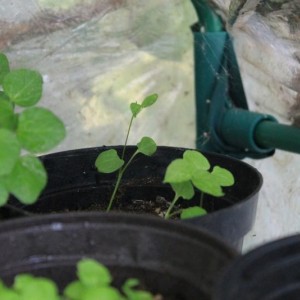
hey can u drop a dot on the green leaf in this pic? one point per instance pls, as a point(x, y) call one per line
point(135, 109)
point(109, 161)
point(3, 96)
point(9, 151)
point(192, 212)
point(7, 116)
point(24, 87)
point(184, 189)
point(6, 294)
point(4, 67)
point(3, 193)
point(149, 100)
point(177, 171)
point(222, 176)
point(100, 293)
point(132, 294)
point(196, 160)
point(205, 182)
point(27, 179)
point(147, 146)
point(92, 273)
point(39, 130)
point(35, 288)
point(74, 290)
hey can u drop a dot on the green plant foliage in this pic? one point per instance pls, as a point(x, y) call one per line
point(30, 131)
point(39, 130)
point(94, 283)
point(27, 179)
point(109, 161)
point(193, 171)
point(23, 87)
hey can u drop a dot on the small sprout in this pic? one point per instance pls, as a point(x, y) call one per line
point(32, 130)
point(193, 171)
point(109, 161)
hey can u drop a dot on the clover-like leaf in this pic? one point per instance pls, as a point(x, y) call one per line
point(109, 161)
point(39, 130)
point(3, 193)
point(4, 67)
point(184, 189)
point(92, 273)
point(9, 151)
point(196, 160)
point(205, 182)
point(223, 176)
point(149, 100)
point(135, 109)
point(192, 212)
point(27, 179)
point(7, 116)
point(147, 146)
point(24, 87)
point(177, 171)
point(7, 294)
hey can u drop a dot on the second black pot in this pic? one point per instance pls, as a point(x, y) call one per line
point(269, 272)
point(177, 261)
point(75, 185)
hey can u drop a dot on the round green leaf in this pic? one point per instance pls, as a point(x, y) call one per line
point(7, 116)
point(27, 179)
point(6, 294)
point(177, 171)
point(149, 100)
point(135, 109)
point(92, 273)
point(74, 290)
point(3, 193)
point(4, 67)
point(192, 212)
point(222, 176)
point(147, 146)
point(184, 189)
point(109, 161)
point(39, 288)
point(196, 160)
point(205, 182)
point(9, 151)
point(24, 87)
point(39, 130)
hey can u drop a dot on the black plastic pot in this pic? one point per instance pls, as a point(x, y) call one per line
point(74, 184)
point(270, 272)
point(178, 261)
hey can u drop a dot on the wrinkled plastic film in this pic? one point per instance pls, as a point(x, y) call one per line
point(97, 56)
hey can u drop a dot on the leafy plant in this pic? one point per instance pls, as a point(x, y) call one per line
point(191, 172)
point(109, 161)
point(94, 283)
point(24, 129)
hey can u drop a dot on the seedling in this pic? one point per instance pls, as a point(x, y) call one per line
point(193, 172)
point(24, 129)
point(94, 282)
point(109, 161)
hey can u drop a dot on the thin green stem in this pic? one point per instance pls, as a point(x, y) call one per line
point(177, 212)
point(168, 213)
point(119, 178)
point(127, 136)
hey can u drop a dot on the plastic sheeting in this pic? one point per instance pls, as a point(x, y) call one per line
point(97, 56)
